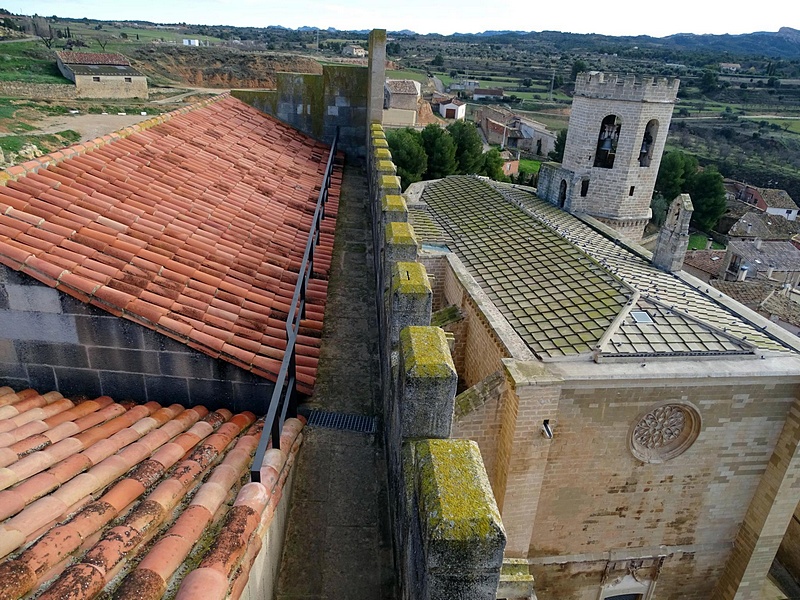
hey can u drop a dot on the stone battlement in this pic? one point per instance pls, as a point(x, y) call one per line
point(637, 89)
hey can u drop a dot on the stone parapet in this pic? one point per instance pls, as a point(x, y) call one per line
point(427, 385)
point(411, 297)
point(456, 537)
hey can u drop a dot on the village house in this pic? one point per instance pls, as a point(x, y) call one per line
point(502, 126)
point(353, 51)
point(101, 75)
point(453, 108)
point(487, 94)
point(401, 101)
point(769, 200)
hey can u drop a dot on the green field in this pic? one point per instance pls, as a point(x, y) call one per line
point(529, 166)
point(29, 62)
point(415, 75)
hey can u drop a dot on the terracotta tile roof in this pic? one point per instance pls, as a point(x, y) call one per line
point(193, 224)
point(124, 499)
point(92, 58)
point(402, 86)
point(777, 198)
point(708, 261)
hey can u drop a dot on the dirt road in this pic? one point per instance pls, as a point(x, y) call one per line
point(90, 126)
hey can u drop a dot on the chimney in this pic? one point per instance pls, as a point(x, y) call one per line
point(749, 227)
point(673, 239)
point(742, 274)
point(709, 242)
point(770, 270)
point(757, 243)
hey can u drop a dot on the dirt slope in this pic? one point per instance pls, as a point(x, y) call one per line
point(220, 67)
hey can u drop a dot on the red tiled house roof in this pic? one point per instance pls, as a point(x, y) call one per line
point(98, 486)
point(193, 224)
point(92, 58)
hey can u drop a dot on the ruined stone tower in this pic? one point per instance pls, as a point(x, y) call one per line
point(615, 140)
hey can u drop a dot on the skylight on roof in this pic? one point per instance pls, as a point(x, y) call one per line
point(641, 316)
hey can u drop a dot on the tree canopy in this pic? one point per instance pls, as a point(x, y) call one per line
point(680, 173)
point(469, 148)
point(408, 154)
point(441, 151)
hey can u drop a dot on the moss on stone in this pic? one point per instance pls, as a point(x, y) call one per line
point(350, 81)
point(390, 184)
point(386, 166)
point(454, 495)
point(382, 154)
point(380, 143)
point(446, 316)
point(264, 100)
point(376, 127)
point(393, 203)
point(426, 353)
point(400, 234)
point(410, 279)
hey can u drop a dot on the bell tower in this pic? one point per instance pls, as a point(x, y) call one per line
point(617, 130)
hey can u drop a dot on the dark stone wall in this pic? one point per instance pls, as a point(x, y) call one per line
point(318, 104)
point(50, 341)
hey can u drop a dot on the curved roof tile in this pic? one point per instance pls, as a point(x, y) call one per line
point(193, 224)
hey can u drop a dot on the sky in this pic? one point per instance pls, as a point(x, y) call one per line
point(425, 16)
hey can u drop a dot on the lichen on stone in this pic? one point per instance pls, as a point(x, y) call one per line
point(426, 353)
point(455, 498)
point(410, 278)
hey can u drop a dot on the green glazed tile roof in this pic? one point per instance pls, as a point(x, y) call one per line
point(559, 300)
point(653, 284)
point(428, 232)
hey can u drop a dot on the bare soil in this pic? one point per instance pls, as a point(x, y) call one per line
point(89, 126)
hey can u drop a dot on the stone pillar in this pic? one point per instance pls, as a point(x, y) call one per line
point(394, 209)
point(456, 538)
point(412, 297)
point(767, 518)
point(400, 244)
point(673, 238)
point(427, 384)
point(377, 74)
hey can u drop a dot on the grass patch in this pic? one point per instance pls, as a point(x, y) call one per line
point(415, 75)
point(528, 166)
point(697, 241)
point(45, 143)
point(29, 62)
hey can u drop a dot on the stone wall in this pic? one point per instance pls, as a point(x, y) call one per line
point(318, 104)
point(50, 341)
point(110, 86)
point(43, 91)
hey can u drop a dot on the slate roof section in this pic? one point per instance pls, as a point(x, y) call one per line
point(92, 58)
point(567, 289)
point(708, 261)
point(193, 224)
point(638, 272)
point(782, 256)
point(758, 224)
point(558, 300)
point(125, 499)
point(105, 70)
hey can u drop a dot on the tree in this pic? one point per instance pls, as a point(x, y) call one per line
point(441, 151)
point(579, 66)
point(44, 31)
point(673, 174)
point(408, 154)
point(708, 197)
point(709, 82)
point(527, 82)
point(557, 153)
point(102, 40)
point(680, 173)
point(492, 165)
point(469, 148)
point(438, 60)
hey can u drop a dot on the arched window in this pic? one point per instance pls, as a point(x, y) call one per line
point(562, 193)
point(607, 142)
point(648, 142)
